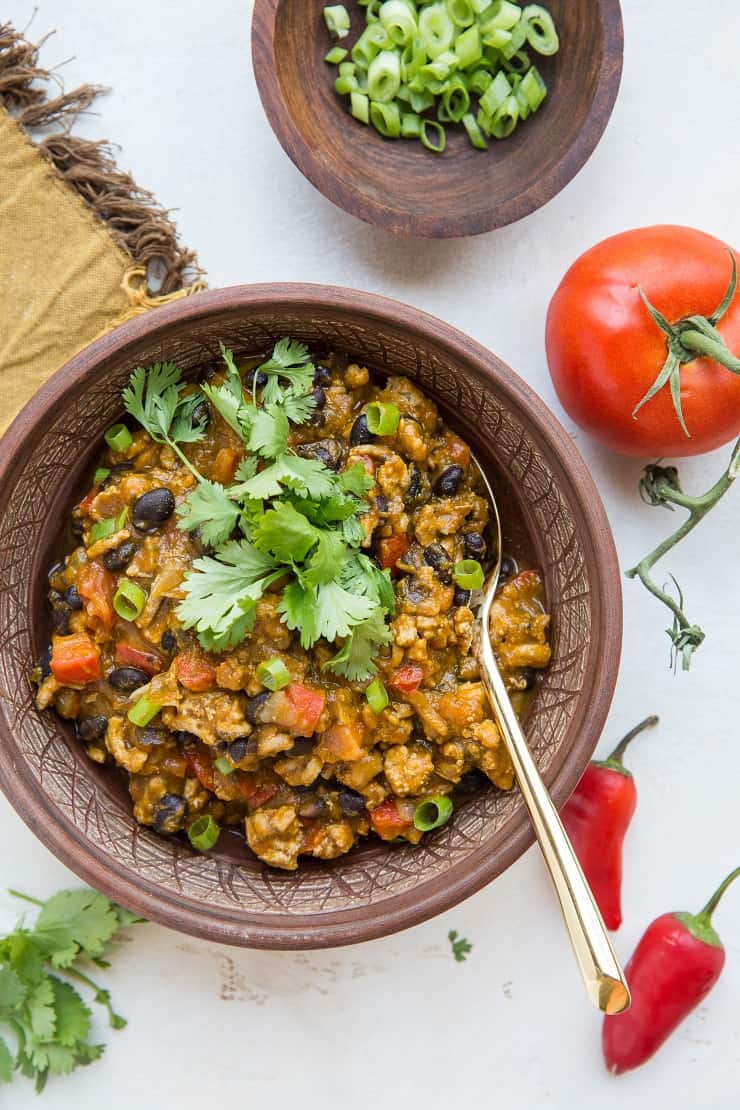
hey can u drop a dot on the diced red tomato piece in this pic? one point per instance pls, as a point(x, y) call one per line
point(390, 550)
point(96, 586)
point(388, 821)
point(407, 678)
point(146, 661)
point(75, 660)
point(308, 705)
point(254, 795)
point(200, 762)
point(86, 503)
point(457, 451)
point(195, 672)
point(225, 464)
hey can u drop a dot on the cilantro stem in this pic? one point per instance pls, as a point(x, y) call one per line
point(102, 996)
point(26, 898)
point(185, 460)
point(660, 485)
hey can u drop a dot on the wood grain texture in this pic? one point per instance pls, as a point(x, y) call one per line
point(397, 184)
point(83, 814)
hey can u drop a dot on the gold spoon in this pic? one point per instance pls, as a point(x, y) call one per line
point(602, 975)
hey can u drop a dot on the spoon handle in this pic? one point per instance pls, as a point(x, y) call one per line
point(602, 975)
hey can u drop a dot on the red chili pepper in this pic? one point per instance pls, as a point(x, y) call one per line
point(596, 819)
point(674, 967)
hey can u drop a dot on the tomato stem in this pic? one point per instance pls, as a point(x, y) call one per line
point(660, 485)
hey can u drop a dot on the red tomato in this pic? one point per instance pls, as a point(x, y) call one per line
point(96, 587)
point(407, 678)
point(605, 350)
point(194, 672)
point(147, 661)
point(390, 550)
point(388, 821)
point(75, 660)
point(308, 705)
point(200, 762)
point(457, 451)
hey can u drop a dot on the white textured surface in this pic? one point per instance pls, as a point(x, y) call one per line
point(398, 1021)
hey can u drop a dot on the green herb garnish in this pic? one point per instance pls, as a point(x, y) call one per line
point(461, 946)
point(49, 1022)
point(285, 517)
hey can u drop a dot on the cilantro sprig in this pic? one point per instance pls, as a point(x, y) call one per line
point(460, 946)
point(284, 517)
point(44, 1022)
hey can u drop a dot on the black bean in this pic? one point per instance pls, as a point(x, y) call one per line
point(360, 433)
point(472, 782)
point(128, 678)
point(183, 737)
point(119, 557)
point(415, 483)
point(59, 621)
point(169, 816)
point(254, 705)
point(381, 503)
point(351, 803)
point(475, 545)
point(436, 556)
point(55, 569)
point(152, 509)
point(76, 526)
point(45, 663)
point(319, 397)
point(529, 674)
point(121, 467)
point(328, 451)
point(321, 375)
point(169, 640)
point(90, 729)
point(448, 482)
point(237, 750)
point(508, 567)
point(462, 597)
point(202, 413)
point(72, 599)
point(412, 590)
point(312, 806)
point(254, 378)
point(151, 737)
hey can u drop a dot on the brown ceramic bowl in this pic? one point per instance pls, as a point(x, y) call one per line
point(399, 185)
point(83, 813)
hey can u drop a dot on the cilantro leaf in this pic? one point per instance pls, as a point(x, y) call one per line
point(40, 1007)
point(298, 407)
point(291, 361)
point(355, 659)
point(153, 397)
point(286, 533)
point(268, 433)
point(12, 991)
point(355, 479)
point(74, 922)
point(72, 1015)
point(7, 1063)
point(310, 476)
point(362, 576)
point(227, 404)
point(461, 946)
point(298, 609)
point(337, 610)
point(221, 593)
point(327, 560)
point(209, 508)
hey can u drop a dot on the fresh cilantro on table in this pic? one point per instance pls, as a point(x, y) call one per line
point(47, 1020)
point(461, 946)
point(296, 519)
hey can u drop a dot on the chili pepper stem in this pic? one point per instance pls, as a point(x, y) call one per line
point(660, 486)
point(616, 755)
point(705, 915)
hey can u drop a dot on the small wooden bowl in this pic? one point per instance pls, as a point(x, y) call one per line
point(82, 812)
point(399, 185)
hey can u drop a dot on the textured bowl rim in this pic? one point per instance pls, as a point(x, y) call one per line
point(94, 866)
point(380, 210)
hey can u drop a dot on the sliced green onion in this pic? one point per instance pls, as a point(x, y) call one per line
point(384, 76)
point(118, 438)
point(224, 766)
point(534, 88)
point(436, 29)
point(386, 119)
point(521, 101)
point(399, 21)
point(372, 40)
point(336, 55)
point(495, 94)
point(517, 63)
point(456, 99)
point(273, 674)
point(432, 813)
point(143, 712)
point(347, 69)
point(479, 81)
point(438, 145)
point(129, 600)
point(505, 119)
point(461, 12)
point(337, 20)
point(468, 47)
point(516, 42)
point(438, 70)
point(420, 101)
point(377, 696)
point(203, 834)
point(540, 29)
point(410, 125)
point(474, 132)
point(497, 39)
point(468, 574)
point(100, 475)
point(346, 85)
point(500, 16)
point(382, 419)
point(413, 58)
point(101, 529)
point(360, 106)
point(373, 9)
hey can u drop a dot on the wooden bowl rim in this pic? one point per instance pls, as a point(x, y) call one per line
point(335, 928)
point(379, 210)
